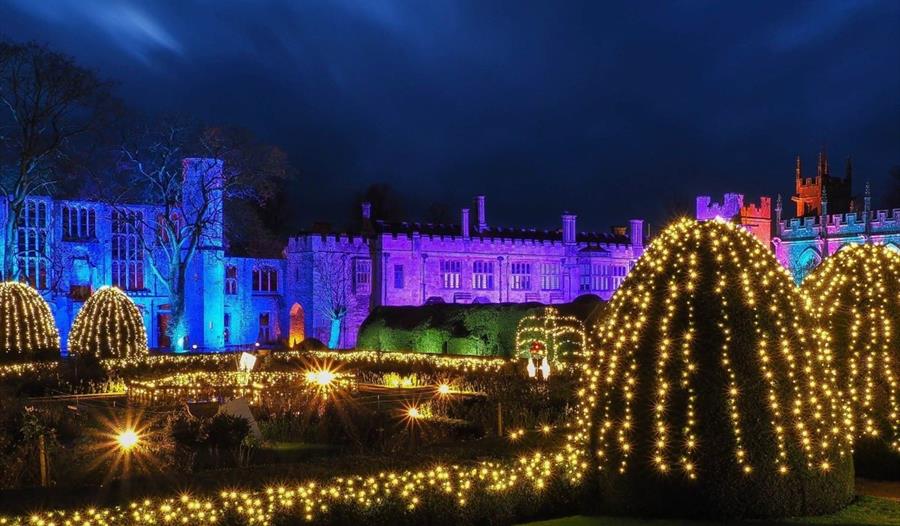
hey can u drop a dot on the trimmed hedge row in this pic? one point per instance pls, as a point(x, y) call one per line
point(469, 330)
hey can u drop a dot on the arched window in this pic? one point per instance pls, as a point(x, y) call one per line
point(231, 280)
point(265, 279)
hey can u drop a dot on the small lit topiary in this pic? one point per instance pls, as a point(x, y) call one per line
point(26, 323)
point(109, 325)
point(855, 296)
point(558, 336)
point(704, 395)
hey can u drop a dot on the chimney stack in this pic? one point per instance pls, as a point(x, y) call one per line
point(366, 215)
point(637, 233)
point(482, 219)
point(568, 228)
point(464, 222)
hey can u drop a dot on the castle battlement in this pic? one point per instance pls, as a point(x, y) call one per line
point(847, 223)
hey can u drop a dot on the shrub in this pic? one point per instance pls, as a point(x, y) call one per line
point(855, 296)
point(109, 325)
point(27, 329)
point(225, 431)
point(704, 396)
point(468, 346)
point(311, 344)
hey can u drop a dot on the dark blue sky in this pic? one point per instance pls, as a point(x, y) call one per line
point(609, 110)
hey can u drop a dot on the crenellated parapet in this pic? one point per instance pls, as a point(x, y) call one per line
point(851, 223)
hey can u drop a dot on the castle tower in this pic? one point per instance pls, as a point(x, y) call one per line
point(205, 277)
point(808, 191)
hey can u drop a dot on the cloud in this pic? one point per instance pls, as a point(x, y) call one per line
point(133, 29)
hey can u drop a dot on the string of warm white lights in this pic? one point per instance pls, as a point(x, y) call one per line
point(109, 325)
point(653, 315)
point(26, 323)
point(855, 296)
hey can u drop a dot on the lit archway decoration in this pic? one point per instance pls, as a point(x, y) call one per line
point(109, 325)
point(705, 387)
point(26, 323)
point(558, 335)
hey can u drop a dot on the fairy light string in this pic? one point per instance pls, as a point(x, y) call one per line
point(109, 325)
point(26, 322)
point(855, 298)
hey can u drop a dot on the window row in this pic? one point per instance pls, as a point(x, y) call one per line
point(483, 275)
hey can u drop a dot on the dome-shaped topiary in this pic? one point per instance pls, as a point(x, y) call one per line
point(109, 325)
point(26, 323)
point(855, 297)
point(703, 395)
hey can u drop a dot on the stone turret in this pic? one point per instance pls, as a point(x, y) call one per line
point(205, 278)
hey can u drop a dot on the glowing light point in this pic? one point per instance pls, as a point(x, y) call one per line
point(127, 439)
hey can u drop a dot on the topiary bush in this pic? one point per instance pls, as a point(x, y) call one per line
point(704, 395)
point(855, 297)
point(27, 328)
point(109, 325)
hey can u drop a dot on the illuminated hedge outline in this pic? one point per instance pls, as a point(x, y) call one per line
point(109, 325)
point(855, 296)
point(26, 323)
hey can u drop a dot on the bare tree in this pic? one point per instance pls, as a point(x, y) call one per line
point(334, 284)
point(188, 214)
point(46, 102)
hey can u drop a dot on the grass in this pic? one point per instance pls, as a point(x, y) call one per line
point(864, 511)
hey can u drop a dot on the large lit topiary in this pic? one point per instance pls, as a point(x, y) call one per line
point(26, 323)
point(109, 325)
point(704, 394)
point(855, 296)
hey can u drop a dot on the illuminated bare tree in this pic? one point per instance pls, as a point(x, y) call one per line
point(47, 101)
point(189, 216)
point(334, 286)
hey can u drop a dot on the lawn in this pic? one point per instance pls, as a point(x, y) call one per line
point(865, 511)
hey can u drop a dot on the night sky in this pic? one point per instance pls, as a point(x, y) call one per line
point(610, 111)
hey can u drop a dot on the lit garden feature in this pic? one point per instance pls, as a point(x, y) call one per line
point(26, 323)
point(705, 389)
point(855, 297)
point(546, 337)
point(109, 325)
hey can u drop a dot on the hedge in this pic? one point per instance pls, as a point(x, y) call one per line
point(475, 330)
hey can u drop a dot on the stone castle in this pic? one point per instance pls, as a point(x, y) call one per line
point(325, 283)
point(827, 218)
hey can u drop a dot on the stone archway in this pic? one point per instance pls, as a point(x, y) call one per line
point(297, 326)
point(809, 259)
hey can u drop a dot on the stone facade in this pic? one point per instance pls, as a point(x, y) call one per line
point(325, 284)
point(469, 262)
point(68, 248)
point(756, 219)
point(801, 243)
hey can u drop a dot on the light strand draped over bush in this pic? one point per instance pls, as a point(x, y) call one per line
point(26, 323)
point(109, 325)
point(705, 385)
point(855, 297)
